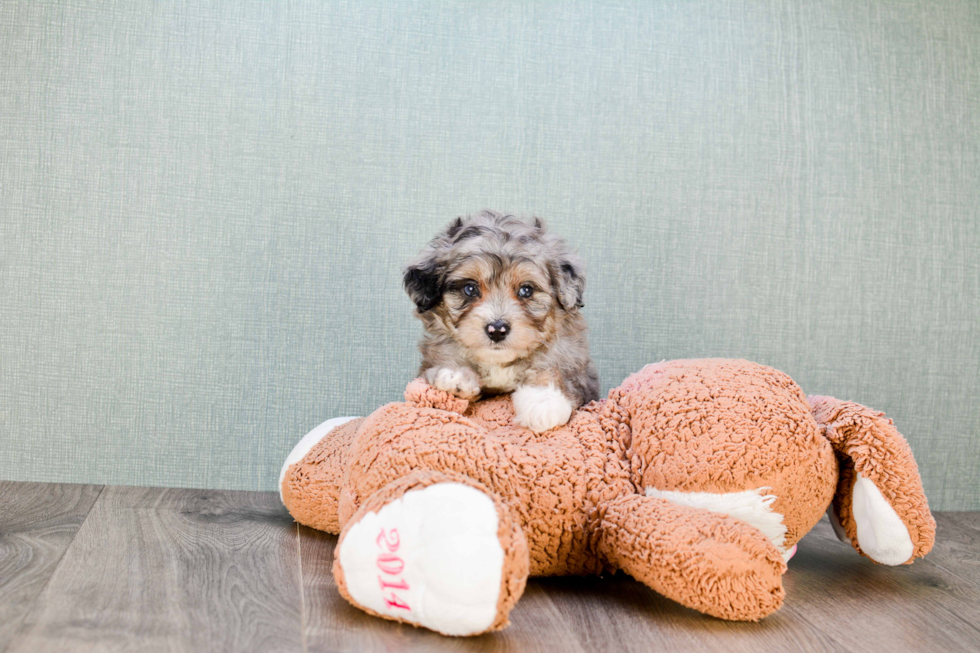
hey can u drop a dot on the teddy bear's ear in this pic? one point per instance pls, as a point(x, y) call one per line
point(880, 506)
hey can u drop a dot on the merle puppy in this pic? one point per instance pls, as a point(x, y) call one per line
point(499, 299)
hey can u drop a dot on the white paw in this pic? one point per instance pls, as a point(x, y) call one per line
point(880, 531)
point(463, 383)
point(430, 557)
point(540, 408)
point(751, 506)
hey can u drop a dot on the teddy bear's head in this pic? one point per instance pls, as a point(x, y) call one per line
point(729, 436)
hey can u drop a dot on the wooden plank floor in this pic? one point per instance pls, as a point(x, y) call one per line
point(87, 568)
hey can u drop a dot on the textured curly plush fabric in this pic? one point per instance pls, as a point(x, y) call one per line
point(709, 562)
point(722, 425)
point(312, 489)
point(869, 443)
point(554, 481)
point(647, 481)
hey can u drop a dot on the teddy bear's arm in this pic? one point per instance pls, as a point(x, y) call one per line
point(880, 506)
point(704, 560)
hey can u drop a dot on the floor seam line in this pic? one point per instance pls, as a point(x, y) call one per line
point(54, 571)
point(302, 590)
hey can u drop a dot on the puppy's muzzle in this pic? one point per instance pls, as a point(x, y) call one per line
point(498, 330)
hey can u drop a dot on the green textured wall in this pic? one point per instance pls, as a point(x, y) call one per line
point(204, 207)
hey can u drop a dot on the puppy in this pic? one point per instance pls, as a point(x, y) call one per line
point(499, 299)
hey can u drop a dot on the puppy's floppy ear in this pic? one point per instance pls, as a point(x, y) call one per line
point(425, 277)
point(569, 275)
point(423, 282)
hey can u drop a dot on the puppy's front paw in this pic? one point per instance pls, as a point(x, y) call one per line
point(540, 408)
point(460, 381)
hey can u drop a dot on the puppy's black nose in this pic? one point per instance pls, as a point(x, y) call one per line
point(498, 330)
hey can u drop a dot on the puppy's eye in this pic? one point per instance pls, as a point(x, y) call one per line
point(525, 291)
point(470, 290)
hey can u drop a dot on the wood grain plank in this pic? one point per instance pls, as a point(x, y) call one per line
point(37, 523)
point(177, 570)
point(960, 519)
point(618, 613)
point(836, 601)
point(332, 624)
point(174, 570)
point(870, 607)
point(957, 554)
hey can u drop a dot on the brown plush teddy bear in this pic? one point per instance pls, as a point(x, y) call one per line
point(696, 477)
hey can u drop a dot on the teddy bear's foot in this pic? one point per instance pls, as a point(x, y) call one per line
point(434, 550)
point(310, 479)
point(309, 440)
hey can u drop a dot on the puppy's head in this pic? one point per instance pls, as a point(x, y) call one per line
point(496, 285)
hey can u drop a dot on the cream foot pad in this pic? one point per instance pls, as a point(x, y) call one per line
point(430, 557)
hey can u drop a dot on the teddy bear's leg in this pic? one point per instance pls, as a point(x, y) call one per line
point(310, 479)
point(707, 561)
point(434, 549)
point(880, 507)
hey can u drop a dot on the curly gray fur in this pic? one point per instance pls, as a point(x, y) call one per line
point(495, 256)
